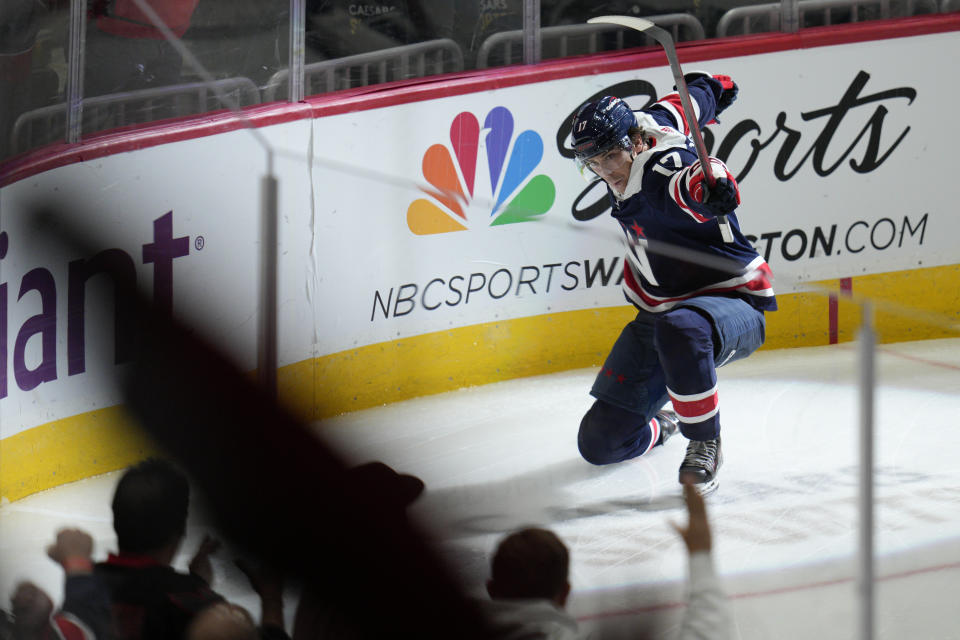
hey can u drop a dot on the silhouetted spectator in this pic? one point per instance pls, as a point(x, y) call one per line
point(529, 583)
point(85, 614)
point(528, 587)
point(85, 596)
point(150, 599)
point(315, 619)
point(34, 618)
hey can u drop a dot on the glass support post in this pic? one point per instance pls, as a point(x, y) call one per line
point(269, 256)
point(298, 29)
point(531, 32)
point(789, 16)
point(75, 52)
point(867, 368)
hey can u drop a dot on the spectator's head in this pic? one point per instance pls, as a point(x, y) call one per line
point(150, 507)
point(530, 563)
point(223, 621)
point(391, 490)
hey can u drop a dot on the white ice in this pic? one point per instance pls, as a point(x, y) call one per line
point(785, 517)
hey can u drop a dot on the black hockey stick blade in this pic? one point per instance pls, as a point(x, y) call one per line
point(666, 41)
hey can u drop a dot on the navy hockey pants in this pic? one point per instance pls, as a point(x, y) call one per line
point(667, 356)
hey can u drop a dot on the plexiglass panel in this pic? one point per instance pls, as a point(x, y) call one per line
point(351, 44)
point(566, 32)
point(138, 71)
point(33, 71)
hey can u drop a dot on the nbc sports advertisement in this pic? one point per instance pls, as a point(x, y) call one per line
point(837, 163)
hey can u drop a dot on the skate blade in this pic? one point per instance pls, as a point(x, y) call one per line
point(706, 488)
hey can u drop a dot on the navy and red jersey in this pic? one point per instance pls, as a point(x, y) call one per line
point(678, 249)
point(152, 601)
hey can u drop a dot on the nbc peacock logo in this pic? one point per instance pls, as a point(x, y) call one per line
point(457, 201)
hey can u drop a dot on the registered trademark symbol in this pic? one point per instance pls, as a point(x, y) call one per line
point(198, 243)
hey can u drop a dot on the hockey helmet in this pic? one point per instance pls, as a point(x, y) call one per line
point(600, 126)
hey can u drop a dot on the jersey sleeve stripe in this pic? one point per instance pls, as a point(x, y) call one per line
point(677, 196)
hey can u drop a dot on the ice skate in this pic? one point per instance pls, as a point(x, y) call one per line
point(669, 425)
point(700, 465)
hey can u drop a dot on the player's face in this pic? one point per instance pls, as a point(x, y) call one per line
point(613, 166)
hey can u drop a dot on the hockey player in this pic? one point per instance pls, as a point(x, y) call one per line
point(700, 288)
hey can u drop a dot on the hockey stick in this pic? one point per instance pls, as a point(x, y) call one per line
point(666, 41)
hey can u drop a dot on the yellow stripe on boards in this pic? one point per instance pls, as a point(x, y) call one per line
point(69, 449)
point(446, 360)
point(907, 304)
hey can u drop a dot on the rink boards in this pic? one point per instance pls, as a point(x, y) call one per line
point(391, 288)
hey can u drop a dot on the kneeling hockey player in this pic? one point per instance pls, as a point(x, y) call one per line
point(700, 288)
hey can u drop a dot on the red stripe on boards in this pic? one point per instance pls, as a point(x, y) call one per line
point(833, 309)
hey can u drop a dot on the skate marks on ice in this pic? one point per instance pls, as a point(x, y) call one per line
point(503, 456)
point(801, 519)
point(563, 493)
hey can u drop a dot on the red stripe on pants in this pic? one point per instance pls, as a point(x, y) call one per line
point(695, 408)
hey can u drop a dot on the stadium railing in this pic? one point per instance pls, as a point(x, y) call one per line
point(766, 17)
point(47, 124)
point(506, 47)
point(416, 60)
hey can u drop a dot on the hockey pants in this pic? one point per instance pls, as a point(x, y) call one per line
point(667, 356)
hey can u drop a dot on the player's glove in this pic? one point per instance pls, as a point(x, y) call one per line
point(730, 91)
point(724, 89)
point(723, 197)
point(720, 199)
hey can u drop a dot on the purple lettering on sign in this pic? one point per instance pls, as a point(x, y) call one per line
point(161, 253)
point(119, 267)
point(44, 324)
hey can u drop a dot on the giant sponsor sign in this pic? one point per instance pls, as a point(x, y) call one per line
point(464, 209)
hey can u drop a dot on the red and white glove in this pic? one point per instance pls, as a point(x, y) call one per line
point(720, 199)
point(730, 91)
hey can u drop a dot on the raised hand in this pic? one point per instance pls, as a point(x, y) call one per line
point(696, 535)
point(200, 564)
point(72, 550)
